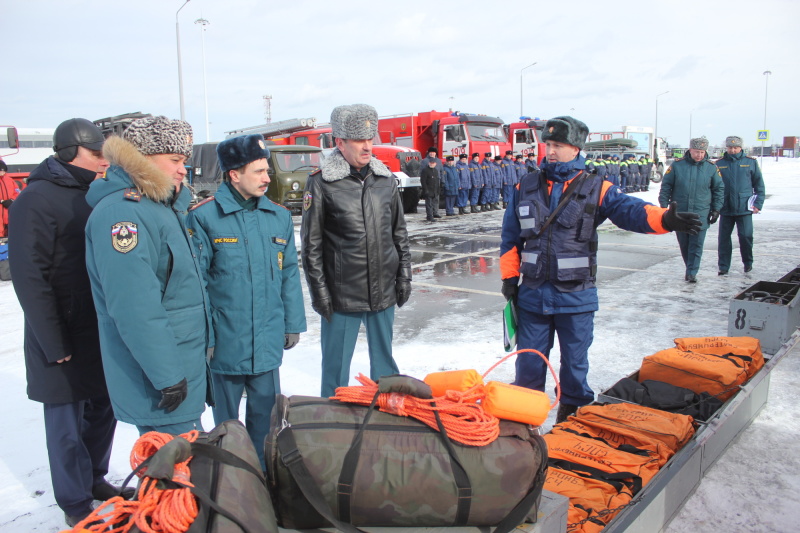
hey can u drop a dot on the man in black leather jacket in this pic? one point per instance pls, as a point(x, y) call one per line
point(355, 249)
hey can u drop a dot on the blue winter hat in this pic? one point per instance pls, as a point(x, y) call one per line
point(236, 152)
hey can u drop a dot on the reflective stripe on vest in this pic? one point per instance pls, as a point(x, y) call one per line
point(573, 262)
point(527, 223)
point(530, 257)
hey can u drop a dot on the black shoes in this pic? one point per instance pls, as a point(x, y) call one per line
point(722, 273)
point(691, 278)
point(105, 491)
point(565, 410)
point(748, 268)
point(73, 520)
point(437, 216)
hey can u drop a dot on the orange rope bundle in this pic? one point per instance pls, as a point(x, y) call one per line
point(466, 421)
point(156, 510)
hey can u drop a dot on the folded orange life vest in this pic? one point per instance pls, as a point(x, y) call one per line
point(588, 497)
point(616, 437)
point(718, 375)
point(586, 455)
point(671, 429)
point(749, 348)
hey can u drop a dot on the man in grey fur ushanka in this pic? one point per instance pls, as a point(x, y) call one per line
point(146, 283)
point(355, 248)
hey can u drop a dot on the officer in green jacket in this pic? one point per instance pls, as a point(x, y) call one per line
point(694, 184)
point(245, 245)
point(146, 284)
point(744, 195)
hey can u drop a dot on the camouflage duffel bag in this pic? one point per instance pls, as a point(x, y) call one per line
point(338, 464)
point(226, 480)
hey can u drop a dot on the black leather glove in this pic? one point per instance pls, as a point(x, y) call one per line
point(290, 340)
point(510, 290)
point(323, 308)
point(7, 203)
point(402, 290)
point(172, 397)
point(685, 222)
point(713, 216)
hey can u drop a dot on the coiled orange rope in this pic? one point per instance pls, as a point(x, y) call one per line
point(156, 510)
point(466, 421)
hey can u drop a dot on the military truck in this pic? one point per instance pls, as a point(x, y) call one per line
point(289, 167)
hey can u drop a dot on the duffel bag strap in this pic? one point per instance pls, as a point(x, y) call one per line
point(517, 515)
point(290, 455)
point(224, 456)
point(344, 488)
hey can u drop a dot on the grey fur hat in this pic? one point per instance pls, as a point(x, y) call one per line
point(566, 130)
point(356, 121)
point(160, 135)
point(699, 143)
point(236, 152)
point(733, 142)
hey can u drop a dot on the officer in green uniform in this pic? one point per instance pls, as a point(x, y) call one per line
point(245, 245)
point(744, 195)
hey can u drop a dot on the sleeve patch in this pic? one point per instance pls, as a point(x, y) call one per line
point(124, 236)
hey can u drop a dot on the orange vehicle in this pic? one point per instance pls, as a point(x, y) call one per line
point(402, 161)
point(450, 133)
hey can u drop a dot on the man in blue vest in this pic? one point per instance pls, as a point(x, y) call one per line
point(464, 183)
point(549, 243)
point(245, 245)
point(744, 196)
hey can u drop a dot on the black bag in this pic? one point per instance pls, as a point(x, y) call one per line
point(666, 397)
point(227, 478)
point(5, 270)
point(334, 463)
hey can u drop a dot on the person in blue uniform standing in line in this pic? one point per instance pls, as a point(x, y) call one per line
point(548, 257)
point(450, 185)
point(245, 245)
point(475, 192)
point(464, 183)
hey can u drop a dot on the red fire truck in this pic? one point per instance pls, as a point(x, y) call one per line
point(402, 161)
point(451, 133)
point(526, 137)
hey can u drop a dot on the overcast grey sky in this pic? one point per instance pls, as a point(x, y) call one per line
point(602, 62)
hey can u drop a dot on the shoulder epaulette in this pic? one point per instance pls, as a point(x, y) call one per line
point(195, 206)
point(316, 172)
point(280, 205)
point(133, 195)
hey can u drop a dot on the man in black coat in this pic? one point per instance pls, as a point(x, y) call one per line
point(62, 346)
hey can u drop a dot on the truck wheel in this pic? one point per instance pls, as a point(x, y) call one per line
point(410, 200)
point(658, 174)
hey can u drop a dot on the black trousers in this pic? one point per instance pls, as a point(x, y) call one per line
point(79, 438)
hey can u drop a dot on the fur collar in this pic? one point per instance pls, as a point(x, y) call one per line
point(147, 177)
point(335, 167)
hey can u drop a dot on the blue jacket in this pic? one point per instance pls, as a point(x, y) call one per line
point(249, 265)
point(742, 178)
point(451, 181)
point(627, 212)
point(696, 187)
point(509, 169)
point(147, 288)
point(464, 177)
point(476, 172)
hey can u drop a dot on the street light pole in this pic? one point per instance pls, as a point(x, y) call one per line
point(204, 23)
point(520, 87)
point(655, 135)
point(690, 123)
point(180, 74)
point(766, 88)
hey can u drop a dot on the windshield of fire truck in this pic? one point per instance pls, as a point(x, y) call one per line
point(289, 162)
point(486, 132)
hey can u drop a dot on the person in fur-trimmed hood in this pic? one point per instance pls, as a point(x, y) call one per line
point(355, 248)
point(151, 306)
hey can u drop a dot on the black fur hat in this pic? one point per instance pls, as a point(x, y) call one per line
point(236, 152)
point(566, 130)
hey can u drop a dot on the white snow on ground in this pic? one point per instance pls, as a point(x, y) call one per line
point(754, 487)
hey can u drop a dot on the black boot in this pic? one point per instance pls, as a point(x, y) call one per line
point(565, 410)
point(473, 209)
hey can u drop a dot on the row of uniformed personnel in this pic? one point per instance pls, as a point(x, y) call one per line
point(630, 174)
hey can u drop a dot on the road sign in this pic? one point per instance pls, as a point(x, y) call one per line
point(763, 135)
